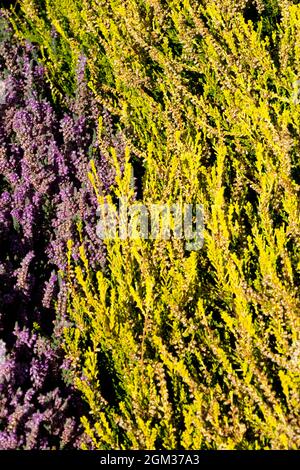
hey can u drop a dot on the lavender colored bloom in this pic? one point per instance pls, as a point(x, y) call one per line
point(44, 190)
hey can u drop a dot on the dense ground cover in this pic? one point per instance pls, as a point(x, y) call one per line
point(167, 348)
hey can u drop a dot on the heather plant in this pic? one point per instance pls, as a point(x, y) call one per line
point(175, 349)
point(38, 410)
point(44, 194)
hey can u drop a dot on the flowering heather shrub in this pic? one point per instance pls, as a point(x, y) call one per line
point(44, 195)
point(37, 411)
point(193, 350)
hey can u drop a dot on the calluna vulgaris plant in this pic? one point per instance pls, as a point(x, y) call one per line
point(44, 195)
point(172, 349)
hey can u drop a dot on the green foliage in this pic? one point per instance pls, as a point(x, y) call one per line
point(190, 350)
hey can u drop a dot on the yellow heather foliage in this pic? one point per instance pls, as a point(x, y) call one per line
point(174, 349)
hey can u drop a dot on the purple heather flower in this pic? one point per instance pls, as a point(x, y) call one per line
point(44, 189)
